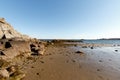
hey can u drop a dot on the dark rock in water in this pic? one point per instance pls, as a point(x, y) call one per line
point(100, 61)
point(116, 50)
point(91, 47)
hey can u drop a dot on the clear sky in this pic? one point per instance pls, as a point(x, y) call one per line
point(69, 19)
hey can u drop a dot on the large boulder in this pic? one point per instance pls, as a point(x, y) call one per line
point(37, 48)
point(15, 48)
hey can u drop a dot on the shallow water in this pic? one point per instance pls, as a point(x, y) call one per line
point(103, 61)
point(102, 41)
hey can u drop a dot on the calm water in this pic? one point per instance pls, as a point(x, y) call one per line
point(102, 41)
point(93, 41)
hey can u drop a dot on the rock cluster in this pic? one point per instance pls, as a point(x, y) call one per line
point(11, 73)
point(37, 48)
point(9, 50)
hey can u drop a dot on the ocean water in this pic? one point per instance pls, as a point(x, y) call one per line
point(95, 41)
point(102, 41)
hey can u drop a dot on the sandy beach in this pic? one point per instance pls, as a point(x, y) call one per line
point(74, 62)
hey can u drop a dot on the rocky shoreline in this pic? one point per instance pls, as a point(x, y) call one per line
point(25, 58)
point(15, 46)
point(10, 49)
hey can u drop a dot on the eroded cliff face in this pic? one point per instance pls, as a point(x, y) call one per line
point(15, 48)
point(7, 31)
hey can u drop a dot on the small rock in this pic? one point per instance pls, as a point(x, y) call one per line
point(42, 61)
point(98, 69)
point(100, 61)
point(110, 60)
point(73, 60)
point(32, 67)
point(91, 47)
point(78, 52)
point(37, 73)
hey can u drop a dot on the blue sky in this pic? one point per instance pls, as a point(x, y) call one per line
point(59, 19)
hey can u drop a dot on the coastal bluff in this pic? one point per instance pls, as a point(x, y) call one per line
point(15, 48)
point(7, 31)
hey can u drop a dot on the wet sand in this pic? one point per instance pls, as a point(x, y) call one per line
point(61, 62)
